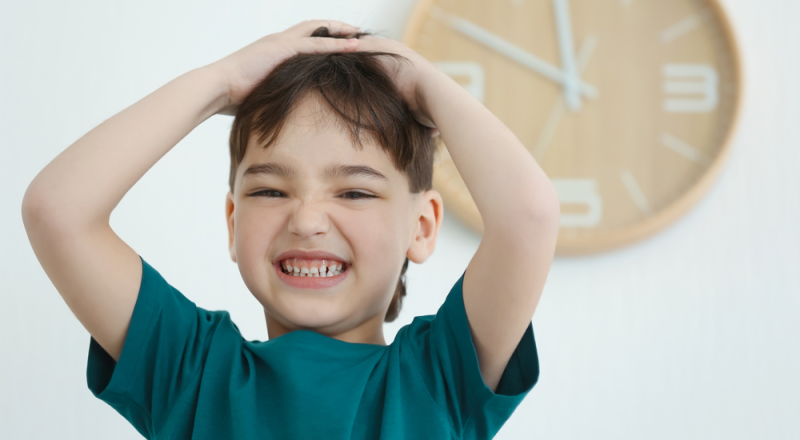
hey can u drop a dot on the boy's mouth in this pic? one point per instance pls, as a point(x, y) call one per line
point(297, 267)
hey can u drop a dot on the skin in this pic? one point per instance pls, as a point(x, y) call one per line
point(66, 208)
point(305, 212)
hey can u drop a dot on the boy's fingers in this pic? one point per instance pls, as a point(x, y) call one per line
point(366, 42)
point(305, 28)
point(325, 45)
point(372, 43)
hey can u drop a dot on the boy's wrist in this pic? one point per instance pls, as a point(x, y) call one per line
point(214, 78)
point(431, 84)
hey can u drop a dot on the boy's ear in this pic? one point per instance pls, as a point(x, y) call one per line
point(426, 227)
point(229, 220)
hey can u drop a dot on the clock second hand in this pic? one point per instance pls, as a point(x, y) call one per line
point(557, 112)
point(510, 50)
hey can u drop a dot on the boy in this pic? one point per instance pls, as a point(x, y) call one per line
point(341, 187)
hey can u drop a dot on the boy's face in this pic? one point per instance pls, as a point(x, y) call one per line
point(310, 210)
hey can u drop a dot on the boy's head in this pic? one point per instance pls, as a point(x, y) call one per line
point(304, 144)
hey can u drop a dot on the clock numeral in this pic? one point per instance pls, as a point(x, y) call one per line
point(579, 192)
point(690, 79)
point(469, 69)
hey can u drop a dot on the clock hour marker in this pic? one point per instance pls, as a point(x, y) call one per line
point(700, 80)
point(549, 129)
point(636, 193)
point(684, 149)
point(682, 27)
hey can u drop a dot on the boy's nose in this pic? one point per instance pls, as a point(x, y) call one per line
point(309, 219)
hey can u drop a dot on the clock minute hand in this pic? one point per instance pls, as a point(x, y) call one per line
point(567, 50)
point(508, 49)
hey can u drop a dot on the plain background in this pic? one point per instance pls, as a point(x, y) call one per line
point(691, 334)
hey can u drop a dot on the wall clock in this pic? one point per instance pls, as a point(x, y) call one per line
point(627, 105)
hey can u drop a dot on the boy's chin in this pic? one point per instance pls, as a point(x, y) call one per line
point(311, 313)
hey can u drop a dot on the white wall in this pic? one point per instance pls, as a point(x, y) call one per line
point(692, 334)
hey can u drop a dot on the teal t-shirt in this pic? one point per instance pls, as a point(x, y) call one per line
point(187, 373)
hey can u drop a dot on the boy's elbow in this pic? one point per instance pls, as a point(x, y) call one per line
point(525, 223)
point(30, 206)
point(554, 212)
point(545, 208)
point(544, 217)
point(532, 208)
point(36, 213)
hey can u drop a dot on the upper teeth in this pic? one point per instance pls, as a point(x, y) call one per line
point(312, 268)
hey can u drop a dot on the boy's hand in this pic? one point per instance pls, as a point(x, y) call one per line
point(405, 75)
point(245, 68)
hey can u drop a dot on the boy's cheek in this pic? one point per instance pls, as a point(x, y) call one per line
point(252, 224)
point(371, 232)
point(253, 246)
point(378, 255)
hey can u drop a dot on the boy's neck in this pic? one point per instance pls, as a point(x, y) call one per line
point(368, 332)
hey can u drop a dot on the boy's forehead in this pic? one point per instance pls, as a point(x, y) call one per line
point(296, 144)
point(314, 135)
point(303, 151)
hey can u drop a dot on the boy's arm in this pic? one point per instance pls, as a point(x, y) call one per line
point(520, 211)
point(67, 207)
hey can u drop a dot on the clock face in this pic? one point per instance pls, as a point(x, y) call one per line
point(627, 105)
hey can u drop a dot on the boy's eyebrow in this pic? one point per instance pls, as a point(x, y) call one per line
point(335, 171)
point(268, 169)
point(331, 172)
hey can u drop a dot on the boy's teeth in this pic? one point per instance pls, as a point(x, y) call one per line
point(312, 268)
point(301, 273)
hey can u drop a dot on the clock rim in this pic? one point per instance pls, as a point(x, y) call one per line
point(636, 232)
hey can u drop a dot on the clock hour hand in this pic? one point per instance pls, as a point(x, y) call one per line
point(566, 47)
point(508, 49)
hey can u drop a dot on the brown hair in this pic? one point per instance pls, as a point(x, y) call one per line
point(362, 96)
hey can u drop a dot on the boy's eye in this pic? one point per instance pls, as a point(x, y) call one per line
point(358, 195)
point(354, 195)
point(265, 192)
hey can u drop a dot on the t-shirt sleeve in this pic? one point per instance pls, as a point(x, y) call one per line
point(165, 348)
point(448, 361)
